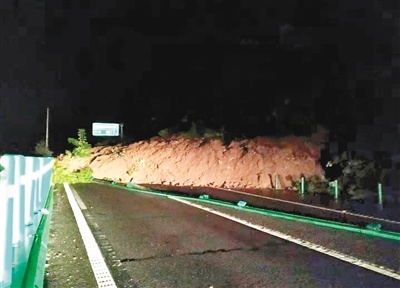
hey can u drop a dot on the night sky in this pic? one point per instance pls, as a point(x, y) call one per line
point(256, 68)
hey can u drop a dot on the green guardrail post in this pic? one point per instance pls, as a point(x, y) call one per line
point(336, 189)
point(302, 185)
point(276, 182)
point(380, 193)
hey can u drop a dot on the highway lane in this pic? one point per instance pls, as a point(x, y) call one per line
point(152, 241)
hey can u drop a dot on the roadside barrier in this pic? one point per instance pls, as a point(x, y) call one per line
point(25, 211)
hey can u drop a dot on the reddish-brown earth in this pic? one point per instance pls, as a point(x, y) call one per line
point(259, 163)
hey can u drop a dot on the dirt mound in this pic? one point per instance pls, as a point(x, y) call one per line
point(180, 161)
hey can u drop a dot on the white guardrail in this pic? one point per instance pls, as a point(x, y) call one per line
point(24, 187)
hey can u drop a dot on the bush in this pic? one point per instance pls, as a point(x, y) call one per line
point(196, 130)
point(62, 175)
point(42, 150)
point(82, 147)
point(164, 132)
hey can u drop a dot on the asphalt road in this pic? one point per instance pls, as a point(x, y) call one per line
point(153, 241)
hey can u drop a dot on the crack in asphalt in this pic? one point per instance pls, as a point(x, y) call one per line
point(191, 253)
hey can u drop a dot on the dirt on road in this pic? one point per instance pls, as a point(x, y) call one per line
point(176, 160)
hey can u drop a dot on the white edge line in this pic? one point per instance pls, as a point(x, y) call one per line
point(95, 256)
point(336, 254)
point(78, 199)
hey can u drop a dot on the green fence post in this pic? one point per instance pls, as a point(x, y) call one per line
point(380, 193)
point(336, 189)
point(302, 185)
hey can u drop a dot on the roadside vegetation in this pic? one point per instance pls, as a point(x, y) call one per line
point(195, 132)
point(62, 174)
point(42, 150)
point(82, 147)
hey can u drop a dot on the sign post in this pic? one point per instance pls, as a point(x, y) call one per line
point(47, 127)
point(121, 126)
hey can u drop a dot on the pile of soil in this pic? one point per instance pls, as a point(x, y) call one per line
point(176, 160)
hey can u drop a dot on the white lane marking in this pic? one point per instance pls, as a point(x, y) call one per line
point(100, 270)
point(78, 199)
point(347, 258)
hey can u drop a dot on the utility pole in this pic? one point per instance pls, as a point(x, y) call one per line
point(47, 127)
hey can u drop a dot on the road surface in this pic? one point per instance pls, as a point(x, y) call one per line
point(153, 241)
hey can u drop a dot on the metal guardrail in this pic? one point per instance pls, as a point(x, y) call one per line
point(25, 183)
